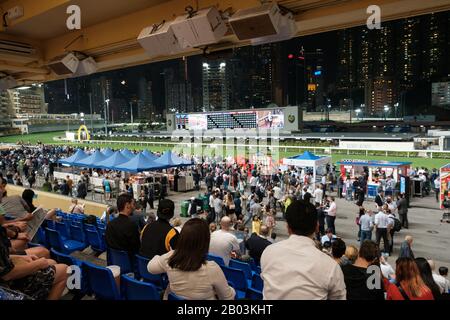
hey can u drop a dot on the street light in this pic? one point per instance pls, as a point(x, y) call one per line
point(396, 107)
point(358, 111)
point(106, 116)
point(386, 110)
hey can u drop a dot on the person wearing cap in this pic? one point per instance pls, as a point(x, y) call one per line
point(159, 237)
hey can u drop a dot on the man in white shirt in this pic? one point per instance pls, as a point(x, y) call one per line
point(277, 193)
point(294, 269)
point(331, 214)
point(223, 242)
point(253, 183)
point(382, 222)
point(218, 205)
point(440, 280)
point(386, 269)
point(318, 194)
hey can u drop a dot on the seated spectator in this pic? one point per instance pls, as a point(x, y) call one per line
point(190, 275)
point(315, 276)
point(160, 237)
point(177, 224)
point(273, 237)
point(427, 277)
point(356, 275)
point(443, 271)
point(440, 280)
point(110, 214)
point(212, 227)
point(338, 248)
point(409, 284)
point(223, 242)
point(350, 255)
point(76, 207)
point(256, 244)
point(329, 236)
point(122, 233)
point(386, 269)
point(39, 278)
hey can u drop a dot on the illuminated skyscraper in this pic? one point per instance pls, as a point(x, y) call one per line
point(216, 85)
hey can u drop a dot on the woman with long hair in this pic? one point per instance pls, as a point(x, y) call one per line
point(190, 275)
point(409, 284)
point(427, 277)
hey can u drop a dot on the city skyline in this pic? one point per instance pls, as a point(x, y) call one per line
point(348, 69)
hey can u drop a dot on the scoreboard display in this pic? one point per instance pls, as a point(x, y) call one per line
point(268, 119)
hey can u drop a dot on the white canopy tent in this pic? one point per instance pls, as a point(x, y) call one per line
point(308, 159)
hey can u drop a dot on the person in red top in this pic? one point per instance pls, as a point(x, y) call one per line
point(409, 284)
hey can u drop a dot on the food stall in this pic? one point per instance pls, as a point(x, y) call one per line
point(444, 176)
point(374, 169)
point(309, 160)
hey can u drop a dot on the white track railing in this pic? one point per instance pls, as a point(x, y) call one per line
point(315, 149)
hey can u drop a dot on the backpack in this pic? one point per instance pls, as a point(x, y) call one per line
point(397, 225)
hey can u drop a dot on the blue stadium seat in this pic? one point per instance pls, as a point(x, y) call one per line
point(64, 258)
point(42, 237)
point(242, 266)
point(64, 246)
point(95, 241)
point(51, 224)
point(77, 234)
point(217, 259)
point(254, 294)
point(238, 278)
point(173, 297)
point(61, 227)
point(156, 279)
point(133, 289)
point(121, 259)
point(257, 282)
point(101, 282)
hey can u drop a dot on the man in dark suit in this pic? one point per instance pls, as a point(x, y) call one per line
point(402, 206)
point(257, 243)
point(122, 233)
point(379, 199)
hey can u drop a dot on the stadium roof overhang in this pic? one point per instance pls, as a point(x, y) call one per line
point(110, 27)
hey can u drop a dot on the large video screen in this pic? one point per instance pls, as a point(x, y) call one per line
point(264, 119)
point(440, 94)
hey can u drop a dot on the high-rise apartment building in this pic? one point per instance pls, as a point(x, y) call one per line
point(216, 85)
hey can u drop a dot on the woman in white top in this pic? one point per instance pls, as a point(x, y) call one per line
point(190, 275)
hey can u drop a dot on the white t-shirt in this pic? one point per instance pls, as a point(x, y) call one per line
point(277, 192)
point(387, 270)
point(222, 243)
point(318, 195)
point(442, 282)
point(217, 205)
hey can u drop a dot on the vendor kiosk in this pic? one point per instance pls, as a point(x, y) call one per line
point(355, 168)
point(309, 160)
point(444, 176)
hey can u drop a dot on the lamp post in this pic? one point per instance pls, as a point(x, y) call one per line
point(396, 107)
point(386, 110)
point(358, 111)
point(90, 110)
point(106, 116)
point(131, 111)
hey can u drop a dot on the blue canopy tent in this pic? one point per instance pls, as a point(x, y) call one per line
point(150, 155)
point(170, 160)
point(127, 153)
point(307, 159)
point(91, 161)
point(138, 164)
point(108, 152)
point(114, 160)
point(77, 156)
